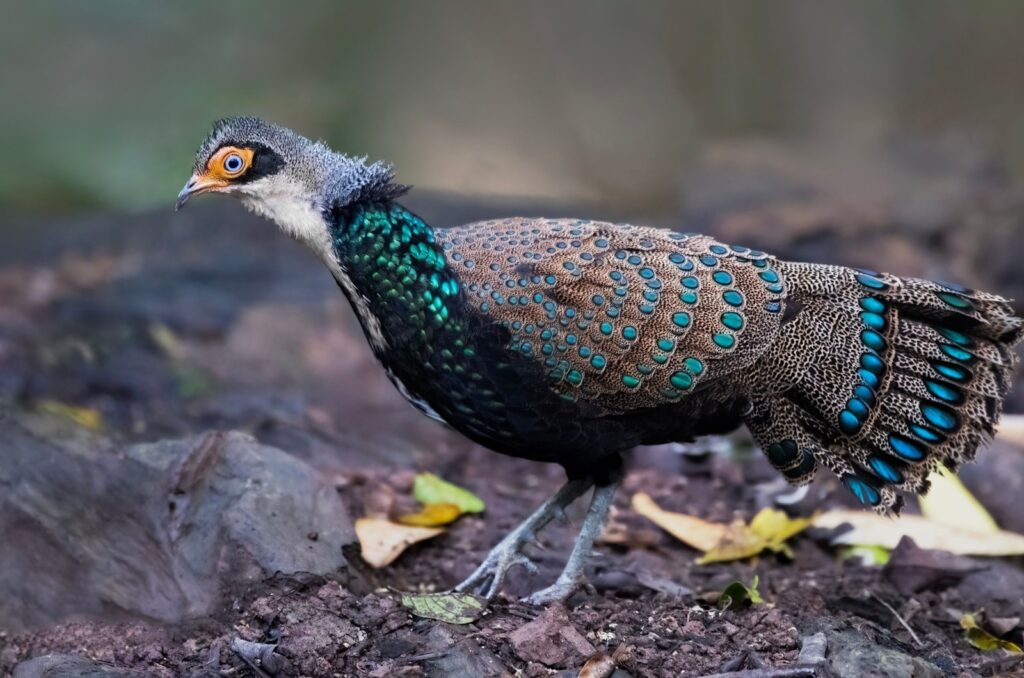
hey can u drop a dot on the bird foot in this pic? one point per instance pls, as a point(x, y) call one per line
point(563, 587)
point(487, 579)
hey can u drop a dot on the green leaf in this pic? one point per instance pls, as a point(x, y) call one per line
point(453, 608)
point(868, 555)
point(738, 596)
point(429, 489)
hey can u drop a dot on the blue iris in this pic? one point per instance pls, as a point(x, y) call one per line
point(233, 163)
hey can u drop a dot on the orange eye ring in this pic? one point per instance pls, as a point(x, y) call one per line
point(230, 162)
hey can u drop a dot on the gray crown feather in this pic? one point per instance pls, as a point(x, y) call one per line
point(334, 178)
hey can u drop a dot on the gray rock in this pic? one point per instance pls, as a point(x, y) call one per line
point(851, 655)
point(159, 530)
point(66, 666)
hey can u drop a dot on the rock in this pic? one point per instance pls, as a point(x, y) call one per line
point(552, 640)
point(912, 569)
point(65, 666)
point(463, 657)
point(853, 656)
point(156, 530)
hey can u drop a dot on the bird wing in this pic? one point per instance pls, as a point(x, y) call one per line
point(624, 317)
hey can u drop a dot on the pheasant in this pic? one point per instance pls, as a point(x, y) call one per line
point(571, 341)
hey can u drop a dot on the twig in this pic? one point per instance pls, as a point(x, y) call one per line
point(902, 621)
point(786, 672)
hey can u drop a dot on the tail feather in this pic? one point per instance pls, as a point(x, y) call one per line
point(881, 379)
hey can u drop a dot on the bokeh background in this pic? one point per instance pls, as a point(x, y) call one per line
point(611, 102)
point(188, 406)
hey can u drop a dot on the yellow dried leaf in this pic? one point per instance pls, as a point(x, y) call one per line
point(432, 515)
point(874, 530)
point(950, 503)
point(776, 527)
point(83, 416)
point(700, 534)
point(382, 541)
point(982, 639)
point(735, 541)
point(429, 489)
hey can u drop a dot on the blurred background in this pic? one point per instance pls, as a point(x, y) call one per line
point(105, 102)
point(171, 384)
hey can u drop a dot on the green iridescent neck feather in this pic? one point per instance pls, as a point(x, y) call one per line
point(393, 258)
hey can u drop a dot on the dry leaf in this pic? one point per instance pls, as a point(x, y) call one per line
point(431, 515)
point(450, 607)
point(874, 530)
point(429, 489)
point(982, 639)
point(83, 416)
point(700, 534)
point(768, 530)
point(950, 503)
point(1011, 428)
point(381, 541)
point(600, 665)
point(738, 542)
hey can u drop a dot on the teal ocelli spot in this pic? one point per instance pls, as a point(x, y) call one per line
point(630, 381)
point(666, 343)
point(954, 300)
point(873, 320)
point(865, 494)
point(873, 340)
point(629, 332)
point(724, 339)
point(722, 277)
point(849, 423)
point(598, 361)
point(681, 380)
point(733, 298)
point(694, 365)
point(871, 282)
point(945, 392)
point(681, 319)
point(956, 353)
point(940, 417)
point(951, 371)
point(872, 304)
point(905, 448)
point(734, 321)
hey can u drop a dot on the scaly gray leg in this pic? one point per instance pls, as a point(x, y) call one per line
point(488, 577)
point(572, 576)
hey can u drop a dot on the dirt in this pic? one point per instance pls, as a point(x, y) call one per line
point(239, 331)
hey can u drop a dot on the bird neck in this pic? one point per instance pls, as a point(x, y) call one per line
point(396, 275)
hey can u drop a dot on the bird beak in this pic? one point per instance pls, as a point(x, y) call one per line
point(197, 184)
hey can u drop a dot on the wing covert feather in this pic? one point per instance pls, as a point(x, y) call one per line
point(622, 316)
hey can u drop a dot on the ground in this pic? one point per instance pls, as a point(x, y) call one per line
point(124, 556)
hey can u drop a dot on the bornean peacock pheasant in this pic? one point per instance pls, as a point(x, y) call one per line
point(571, 341)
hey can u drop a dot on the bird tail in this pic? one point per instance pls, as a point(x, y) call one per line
point(880, 379)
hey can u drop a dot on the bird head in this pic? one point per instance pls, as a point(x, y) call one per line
point(284, 176)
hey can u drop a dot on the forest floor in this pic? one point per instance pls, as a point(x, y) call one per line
point(125, 558)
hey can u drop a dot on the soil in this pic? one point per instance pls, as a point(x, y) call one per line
point(240, 331)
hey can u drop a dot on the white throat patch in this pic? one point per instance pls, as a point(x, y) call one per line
point(286, 204)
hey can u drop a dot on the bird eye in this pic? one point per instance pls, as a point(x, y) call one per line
point(233, 163)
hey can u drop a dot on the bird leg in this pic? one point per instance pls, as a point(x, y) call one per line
point(572, 576)
point(487, 578)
